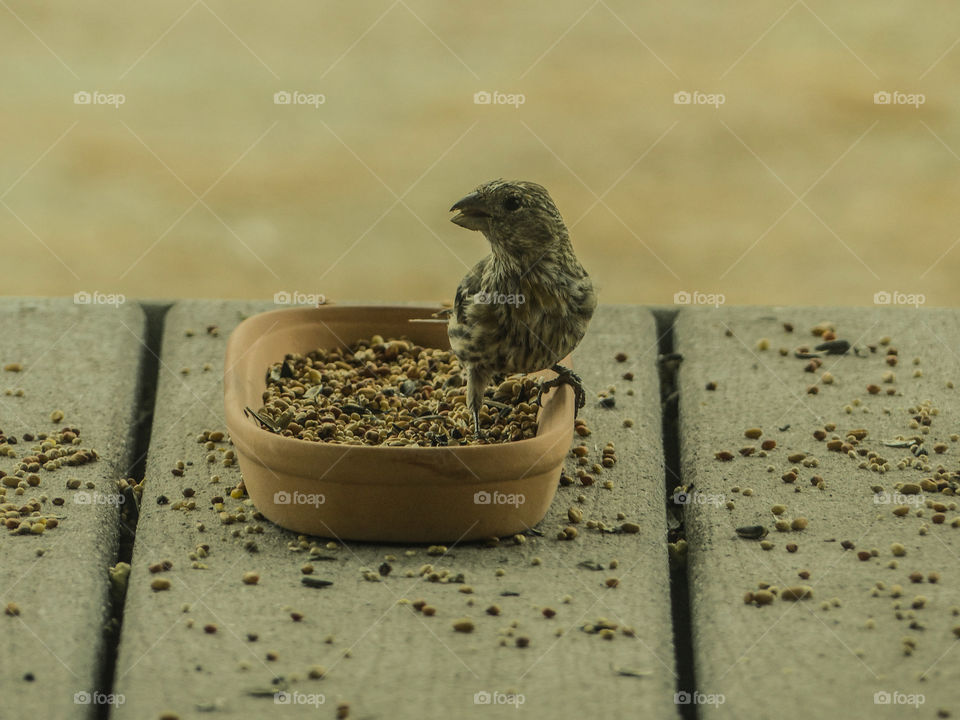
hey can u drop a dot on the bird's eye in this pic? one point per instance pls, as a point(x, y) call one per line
point(513, 202)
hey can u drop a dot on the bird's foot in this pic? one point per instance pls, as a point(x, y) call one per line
point(478, 434)
point(565, 376)
point(502, 407)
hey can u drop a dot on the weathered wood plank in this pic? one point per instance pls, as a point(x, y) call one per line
point(83, 360)
point(385, 659)
point(837, 649)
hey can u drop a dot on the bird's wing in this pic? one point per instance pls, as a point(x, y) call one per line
point(469, 286)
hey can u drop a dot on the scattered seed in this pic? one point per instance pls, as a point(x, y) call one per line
point(800, 592)
point(763, 597)
point(464, 625)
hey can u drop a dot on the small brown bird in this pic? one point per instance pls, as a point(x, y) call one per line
point(526, 306)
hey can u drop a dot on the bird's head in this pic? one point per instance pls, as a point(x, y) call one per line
point(517, 217)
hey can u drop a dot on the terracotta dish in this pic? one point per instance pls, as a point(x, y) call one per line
point(394, 494)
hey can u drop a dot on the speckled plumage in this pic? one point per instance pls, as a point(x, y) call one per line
point(526, 306)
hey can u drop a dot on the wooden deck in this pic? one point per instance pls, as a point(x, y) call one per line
point(685, 644)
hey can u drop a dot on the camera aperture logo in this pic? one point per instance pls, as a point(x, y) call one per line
point(882, 697)
point(286, 697)
point(495, 97)
point(884, 297)
point(95, 97)
point(282, 497)
point(485, 697)
point(295, 97)
point(682, 297)
point(883, 97)
point(299, 298)
point(684, 97)
point(98, 298)
point(98, 698)
point(482, 497)
point(487, 298)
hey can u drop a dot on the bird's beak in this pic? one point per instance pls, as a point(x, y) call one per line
point(471, 212)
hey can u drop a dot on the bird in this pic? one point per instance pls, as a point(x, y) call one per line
point(526, 305)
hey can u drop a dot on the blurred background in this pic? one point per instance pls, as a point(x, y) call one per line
point(749, 152)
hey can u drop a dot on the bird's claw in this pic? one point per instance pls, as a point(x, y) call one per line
point(565, 376)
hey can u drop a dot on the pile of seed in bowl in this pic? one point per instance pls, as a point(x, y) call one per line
point(393, 393)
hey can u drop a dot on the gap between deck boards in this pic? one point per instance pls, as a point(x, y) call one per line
point(145, 397)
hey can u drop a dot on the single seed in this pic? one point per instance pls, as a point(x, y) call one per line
point(800, 592)
point(763, 597)
point(464, 625)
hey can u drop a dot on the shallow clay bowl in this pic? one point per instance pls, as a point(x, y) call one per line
point(395, 494)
